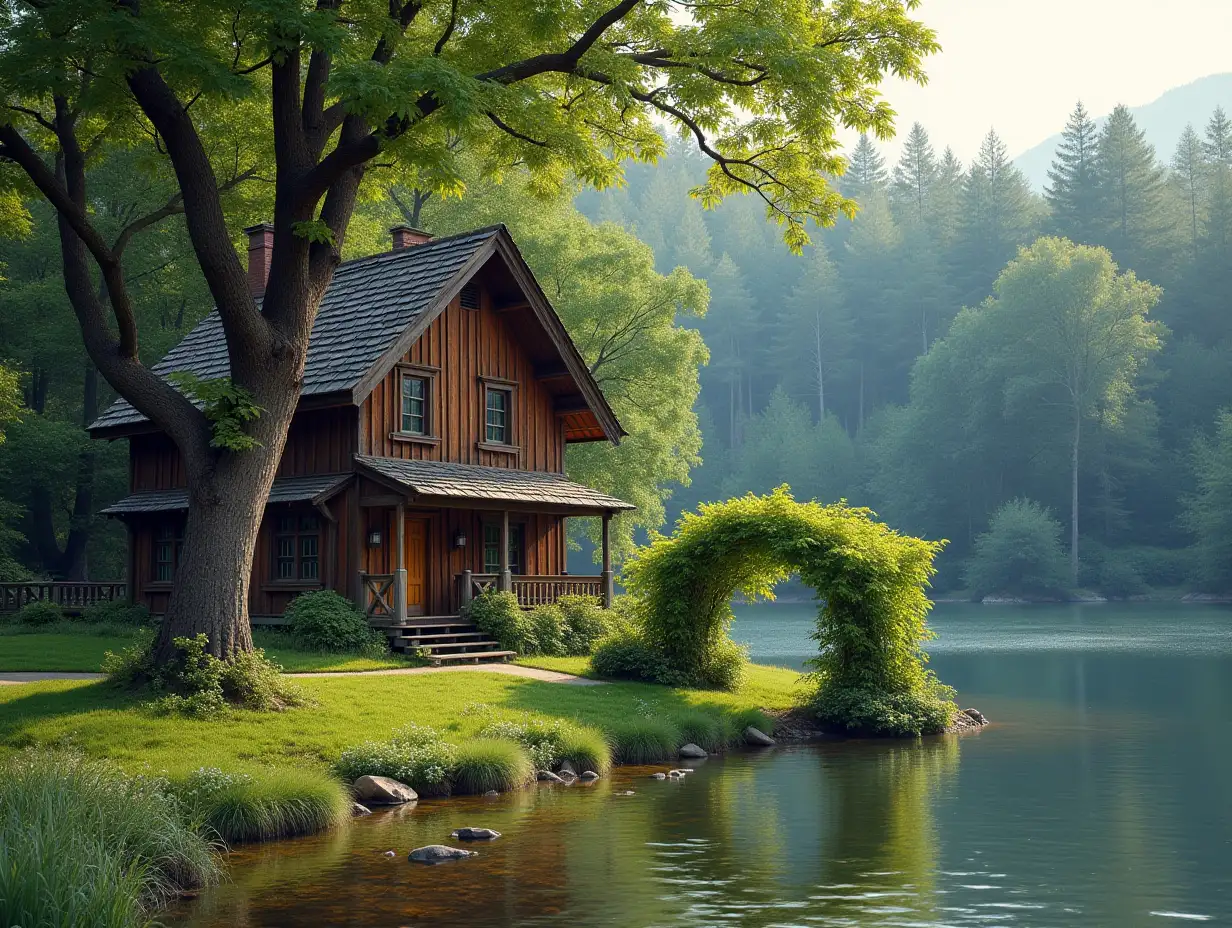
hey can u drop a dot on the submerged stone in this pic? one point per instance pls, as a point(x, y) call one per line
point(476, 834)
point(436, 853)
point(382, 791)
point(589, 775)
point(547, 776)
point(358, 809)
point(691, 751)
point(658, 776)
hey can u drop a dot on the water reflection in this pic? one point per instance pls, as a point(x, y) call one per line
point(1099, 797)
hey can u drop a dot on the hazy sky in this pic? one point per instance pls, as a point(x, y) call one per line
point(1020, 65)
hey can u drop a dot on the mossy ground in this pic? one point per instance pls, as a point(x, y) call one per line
point(103, 721)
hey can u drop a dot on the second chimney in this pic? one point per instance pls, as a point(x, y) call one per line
point(406, 236)
point(260, 252)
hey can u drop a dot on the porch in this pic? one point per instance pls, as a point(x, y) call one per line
point(437, 535)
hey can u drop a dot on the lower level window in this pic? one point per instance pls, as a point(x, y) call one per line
point(168, 542)
point(491, 548)
point(297, 547)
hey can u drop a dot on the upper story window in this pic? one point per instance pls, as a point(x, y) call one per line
point(415, 404)
point(414, 415)
point(168, 543)
point(297, 547)
point(498, 416)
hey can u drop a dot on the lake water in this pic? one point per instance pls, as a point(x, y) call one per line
point(1101, 795)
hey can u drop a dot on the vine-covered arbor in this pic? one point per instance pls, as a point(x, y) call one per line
point(870, 580)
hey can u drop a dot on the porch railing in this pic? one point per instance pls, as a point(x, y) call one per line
point(69, 595)
point(530, 590)
point(378, 595)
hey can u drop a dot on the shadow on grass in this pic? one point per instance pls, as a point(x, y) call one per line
point(61, 700)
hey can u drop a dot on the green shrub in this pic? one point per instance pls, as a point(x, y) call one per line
point(1020, 554)
point(414, 755)
point(484, 764)
point(325, 621)
point(625, 654)
point(550, 741)
point(869, 712)
point(1119, 578)
point(83, 844)
point(115, 612)
point(39, 613)
point(644, 741)
point(278, 804)
point(586, 623)
point(546, 631)
point(197, 684)
point(496, 613)
point(708, 732)
point(1161, 567)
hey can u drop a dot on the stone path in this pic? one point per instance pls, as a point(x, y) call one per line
point(513, 670)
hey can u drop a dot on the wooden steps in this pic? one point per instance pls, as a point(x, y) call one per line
point(446, 640)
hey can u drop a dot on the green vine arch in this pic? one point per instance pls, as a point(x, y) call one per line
point(870, 675)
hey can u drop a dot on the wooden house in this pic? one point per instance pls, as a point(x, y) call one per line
point(426, 459)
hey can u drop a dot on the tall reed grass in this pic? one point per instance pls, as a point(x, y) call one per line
point(262, 806)
point(83, 844)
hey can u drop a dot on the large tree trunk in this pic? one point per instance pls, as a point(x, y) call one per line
point(226, 503)
point(1073, 525)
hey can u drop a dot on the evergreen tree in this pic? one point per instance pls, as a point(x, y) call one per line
point(1132, 192)
point(1217, 152)
point(998, 216)
point(814, 334)
point(729, 329)
point(866, 171)
point(947, 197)
point(1189, 169)
point(1073, 192)
point(914, 176)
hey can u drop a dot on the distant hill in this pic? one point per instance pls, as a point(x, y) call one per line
point(1162, 121)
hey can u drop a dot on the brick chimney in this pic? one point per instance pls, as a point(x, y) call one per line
point(406, 236)
point(260, 251)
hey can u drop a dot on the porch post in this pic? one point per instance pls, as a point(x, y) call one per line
point(400, 570)
point(506, 578)
point(609, 587)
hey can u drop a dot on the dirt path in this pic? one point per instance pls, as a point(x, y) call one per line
point(513, 670)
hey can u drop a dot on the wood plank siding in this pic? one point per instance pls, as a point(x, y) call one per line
point(543, 534)
point(459, 350)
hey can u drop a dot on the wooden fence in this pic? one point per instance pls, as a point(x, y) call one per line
point(69, 596)
point(531, 590)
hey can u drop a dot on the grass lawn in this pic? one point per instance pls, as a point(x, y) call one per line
point(102, 721)
point(80, 650)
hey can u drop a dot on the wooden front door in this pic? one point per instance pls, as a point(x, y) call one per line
point(416, 554)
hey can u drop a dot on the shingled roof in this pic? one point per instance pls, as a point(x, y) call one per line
point(369, 305)
point(316, 488)
point(433, 481)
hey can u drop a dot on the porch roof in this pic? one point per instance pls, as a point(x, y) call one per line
point(314, 489)
point(443, 483)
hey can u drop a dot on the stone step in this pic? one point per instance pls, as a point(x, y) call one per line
point(472, 657)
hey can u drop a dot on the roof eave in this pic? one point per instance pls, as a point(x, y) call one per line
point(547, 316)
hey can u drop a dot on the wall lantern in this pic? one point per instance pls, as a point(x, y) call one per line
point(459, 540)
point(374, 538)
